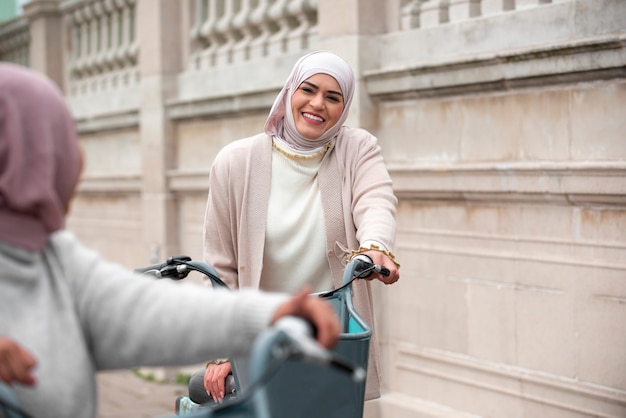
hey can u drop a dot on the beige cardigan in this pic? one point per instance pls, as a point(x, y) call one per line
point(364, 209)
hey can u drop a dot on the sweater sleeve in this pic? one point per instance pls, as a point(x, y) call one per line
point(130, 320)
point(219, 232)
point(373, 201)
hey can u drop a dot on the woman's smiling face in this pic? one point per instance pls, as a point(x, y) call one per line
point(317, 105)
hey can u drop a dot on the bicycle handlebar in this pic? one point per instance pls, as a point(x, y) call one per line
point(167, 269)
point(179, 267)
point(360, 267)
point(365, 267)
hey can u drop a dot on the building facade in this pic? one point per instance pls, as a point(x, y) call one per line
point(503, 125)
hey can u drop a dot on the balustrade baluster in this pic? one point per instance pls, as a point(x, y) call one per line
point(98, 61)
point(76, 42)
point(121, 38)
point(74, 70)
point(261, 21)
point(210, 34)
point(114, 22)
point(278, 41)
point(84, 56)
point(241, 22)
point(410, 14)
point(433, 13)
point(460, 10)
point(133, 48)
point(492, 7)
point(111, 41)
point(305, 13)
point(524, 4)
point(197, 40)
point(92, 56)
point(228, 32)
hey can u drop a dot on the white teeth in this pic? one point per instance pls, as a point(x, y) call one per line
point(310, 116)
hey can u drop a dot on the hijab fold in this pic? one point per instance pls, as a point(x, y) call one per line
point(40, 159)
point(280, 122)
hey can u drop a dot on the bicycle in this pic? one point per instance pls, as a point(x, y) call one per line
point(287, 370)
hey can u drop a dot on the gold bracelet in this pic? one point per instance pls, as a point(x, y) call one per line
point(376, 248)
point(216, 362)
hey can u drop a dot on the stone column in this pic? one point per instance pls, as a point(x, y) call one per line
point(355, 39)
point(351, 28)
point(158, 26)
point(46, 45)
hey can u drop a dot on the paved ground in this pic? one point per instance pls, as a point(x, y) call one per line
point(122, 394)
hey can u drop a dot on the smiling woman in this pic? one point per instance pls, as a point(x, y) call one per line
point(288, 207)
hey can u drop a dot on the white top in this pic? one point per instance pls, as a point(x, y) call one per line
point(295, 240)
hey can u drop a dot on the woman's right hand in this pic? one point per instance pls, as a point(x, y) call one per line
point(215, 380)
point(16, 363)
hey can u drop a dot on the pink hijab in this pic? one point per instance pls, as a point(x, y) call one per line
point(280, 121)
point(40, 159)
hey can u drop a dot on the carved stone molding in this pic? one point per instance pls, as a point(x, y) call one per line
point(583, 60)
point(564, 394)
point(540, 182)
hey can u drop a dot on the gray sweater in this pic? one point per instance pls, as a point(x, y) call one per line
point(78, 314)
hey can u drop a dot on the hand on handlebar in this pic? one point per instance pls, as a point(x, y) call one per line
point(380, 258)
point(215, 380)
point(316, 311)
point(16, 363)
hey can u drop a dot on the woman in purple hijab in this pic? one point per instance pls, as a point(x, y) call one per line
point(65, 312)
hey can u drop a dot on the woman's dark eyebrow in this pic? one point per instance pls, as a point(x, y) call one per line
point(315, 87)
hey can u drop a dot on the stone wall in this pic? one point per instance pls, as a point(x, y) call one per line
point(501, 121)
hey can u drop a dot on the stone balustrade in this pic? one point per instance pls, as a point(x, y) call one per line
point(235, 31)
point(15, 41)
point(103, 49)
point(427, 13)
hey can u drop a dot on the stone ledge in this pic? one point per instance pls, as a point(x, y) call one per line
point(512, 247)
point(102, 105)
point(556, 183)
point(107, 122)
point(117, 183)
point(559, 392)
point(37, 8)
point(188, 181)
point(395, 404)
point(227, 104)
point(549, 183)
point(568, 62)
point(269, 73)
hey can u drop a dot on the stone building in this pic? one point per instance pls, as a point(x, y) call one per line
point(502, 122)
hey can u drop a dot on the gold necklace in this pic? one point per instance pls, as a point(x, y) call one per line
point(304, 157)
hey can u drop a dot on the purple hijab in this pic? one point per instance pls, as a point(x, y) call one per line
point(40, 159)
point(280, 121)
